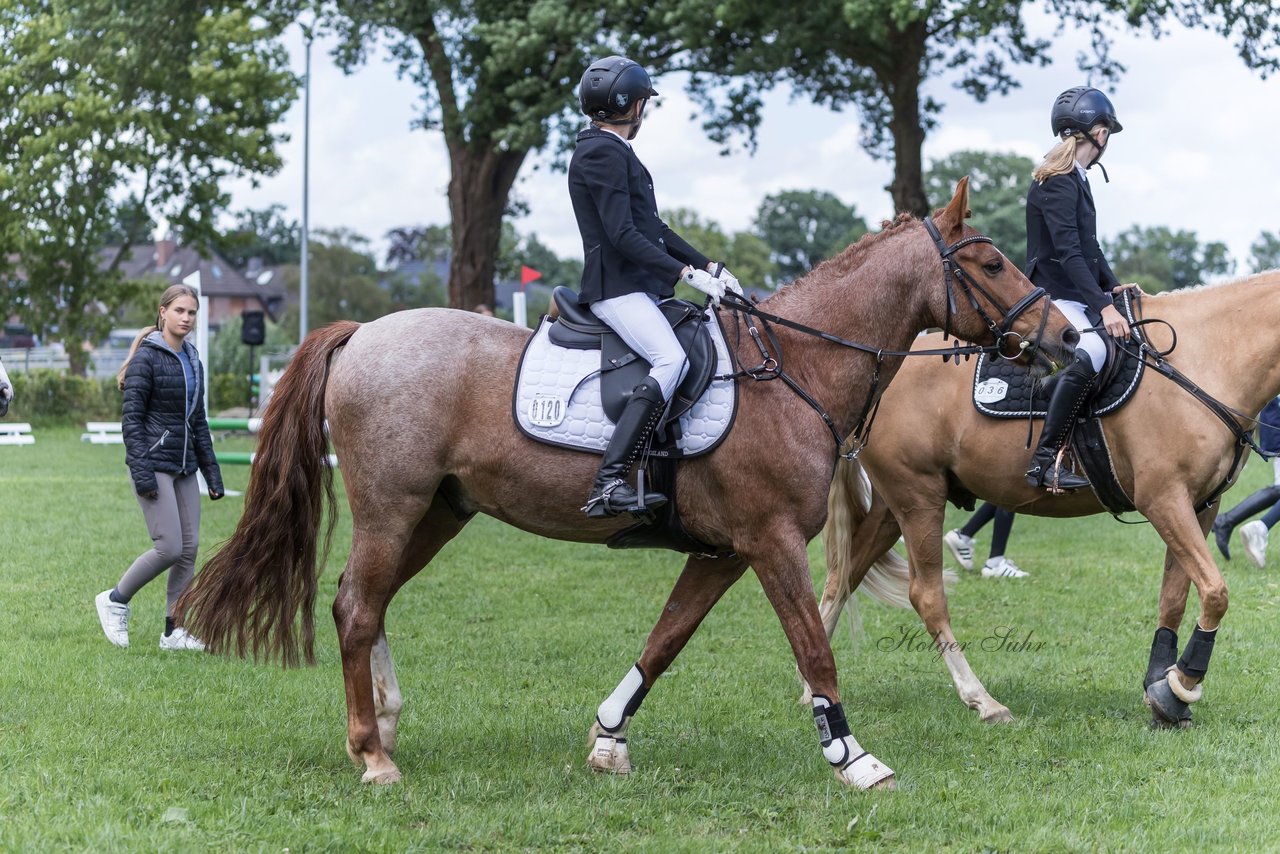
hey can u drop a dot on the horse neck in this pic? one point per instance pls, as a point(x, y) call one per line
point(868, 294)
point(1227, 338)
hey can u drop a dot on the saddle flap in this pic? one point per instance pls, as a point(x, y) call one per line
point(558, 394)
point(1002, 389)
point(621, 370)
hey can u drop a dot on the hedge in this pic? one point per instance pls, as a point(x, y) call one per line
point(47, 397)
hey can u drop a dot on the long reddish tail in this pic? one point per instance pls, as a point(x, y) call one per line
point(247, 597)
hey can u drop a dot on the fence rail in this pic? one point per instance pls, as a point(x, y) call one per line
point(104, 361)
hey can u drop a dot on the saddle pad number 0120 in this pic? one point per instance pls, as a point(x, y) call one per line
point(557, 399)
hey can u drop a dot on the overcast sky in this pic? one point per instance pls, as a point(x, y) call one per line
point(1197, 151)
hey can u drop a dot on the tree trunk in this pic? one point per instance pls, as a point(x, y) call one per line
point(479, 185)
point(902, 86)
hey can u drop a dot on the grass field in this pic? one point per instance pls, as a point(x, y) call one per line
point(506, 645)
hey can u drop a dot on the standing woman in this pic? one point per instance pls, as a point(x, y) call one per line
point(1064, 258)
point(166, 437)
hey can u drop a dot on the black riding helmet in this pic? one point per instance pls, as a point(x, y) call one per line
point(1082, 109)
point(610, 86)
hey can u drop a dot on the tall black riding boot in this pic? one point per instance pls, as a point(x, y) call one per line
point(1226, 522)
point(611, 494)
point(1069, 394)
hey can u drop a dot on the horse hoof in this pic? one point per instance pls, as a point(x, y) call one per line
point(609, 755)
point(382, 778)
point(1166, 707)
point(866, 772)
point(1160, 724)
point(998, 715)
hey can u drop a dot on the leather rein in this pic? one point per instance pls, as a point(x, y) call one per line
point(771, 368)
point(1155, 359)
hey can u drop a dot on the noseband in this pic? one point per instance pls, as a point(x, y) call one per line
point(1001, 332)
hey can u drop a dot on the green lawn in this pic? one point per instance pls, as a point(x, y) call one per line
point(506, 645)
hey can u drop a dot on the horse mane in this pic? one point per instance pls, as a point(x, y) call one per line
point(851, 257)
point(1259, 278)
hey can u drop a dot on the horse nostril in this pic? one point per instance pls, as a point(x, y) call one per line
point(1071, 337)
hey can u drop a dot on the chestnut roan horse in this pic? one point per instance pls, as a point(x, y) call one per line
point(419, 412)
point(1171, 454)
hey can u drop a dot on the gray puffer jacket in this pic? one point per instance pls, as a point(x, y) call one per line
point(160, 432)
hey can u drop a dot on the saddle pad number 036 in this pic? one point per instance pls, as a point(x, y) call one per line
point(557, 399)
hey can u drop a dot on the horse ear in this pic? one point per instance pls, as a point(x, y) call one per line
point(957, 210)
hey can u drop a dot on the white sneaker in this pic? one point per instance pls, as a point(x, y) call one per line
point(961, 547)
point(114, 617)
point(1002, 567)
point(1254, 536)
point(181, 639)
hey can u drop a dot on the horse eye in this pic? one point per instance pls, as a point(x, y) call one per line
point(993, 267)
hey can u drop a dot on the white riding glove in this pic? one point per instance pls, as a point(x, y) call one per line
point(730, 281)
point(705, 282)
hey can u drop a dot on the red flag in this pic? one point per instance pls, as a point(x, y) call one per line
point(528, 274)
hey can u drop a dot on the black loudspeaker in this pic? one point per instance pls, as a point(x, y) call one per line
point(253, 328)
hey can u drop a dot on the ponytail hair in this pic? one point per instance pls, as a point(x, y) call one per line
point(1060, 160)
point(167, 298)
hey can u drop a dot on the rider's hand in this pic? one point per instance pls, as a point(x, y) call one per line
point(705, 282)
point(730, 281)
point(1128, 286)
point(1116, 325)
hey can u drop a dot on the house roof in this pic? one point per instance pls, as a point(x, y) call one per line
point(217, 277)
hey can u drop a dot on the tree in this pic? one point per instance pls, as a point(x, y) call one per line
point(262, 234)
point(745, 254)
point(997, 194)
point(167, 101)
point(498, 80)
point(877, 54)
point(556, 271)
point(1265, 252)
point(804, 227)
point(1162, 260)
point(344, 281)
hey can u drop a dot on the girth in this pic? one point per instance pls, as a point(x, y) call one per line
point(621, 368)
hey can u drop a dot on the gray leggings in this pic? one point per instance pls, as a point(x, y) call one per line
point(173, 520)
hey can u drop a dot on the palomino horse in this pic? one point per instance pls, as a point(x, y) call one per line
point(6, 391)
point(419, 412)
point(1169, 451)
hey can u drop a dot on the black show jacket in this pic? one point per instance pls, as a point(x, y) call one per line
point(1063, 255)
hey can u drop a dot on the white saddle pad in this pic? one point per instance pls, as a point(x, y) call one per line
point(557, 398)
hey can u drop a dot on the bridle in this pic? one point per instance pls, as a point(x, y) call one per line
point(1001, 332)
point(771, 368)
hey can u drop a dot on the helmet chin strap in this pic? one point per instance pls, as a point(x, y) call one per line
point(1097, 161)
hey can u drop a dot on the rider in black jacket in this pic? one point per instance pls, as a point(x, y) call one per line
point(631, 259)
point(1064, 258)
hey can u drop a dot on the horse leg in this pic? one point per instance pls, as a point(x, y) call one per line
point(1169, 699)
point(781, 564)
point(848, 562)
point(387, 700)
point(700, 585)
point(380, 564)
point(923, 533)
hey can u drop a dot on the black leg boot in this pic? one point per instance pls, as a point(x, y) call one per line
point(1226, 522)
point(1073, 386)
point(610, 493)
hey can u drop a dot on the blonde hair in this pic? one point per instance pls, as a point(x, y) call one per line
point(166, 299)
point(1060, 160)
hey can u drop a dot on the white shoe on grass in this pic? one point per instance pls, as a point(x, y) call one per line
point(114, 617)
point(1002, 567)
point(1254, 535)
point(961, 547)
point(181, 639)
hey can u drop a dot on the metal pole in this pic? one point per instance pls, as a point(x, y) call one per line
point(306, 176)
